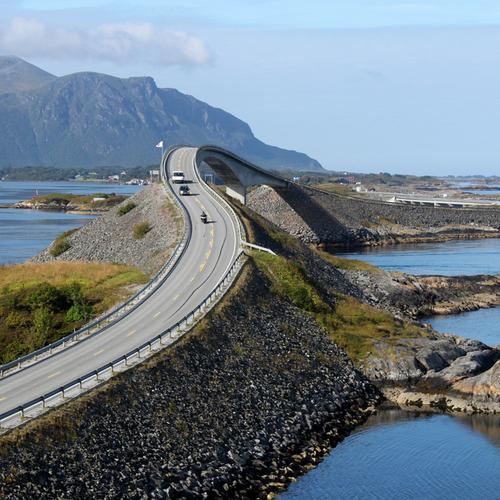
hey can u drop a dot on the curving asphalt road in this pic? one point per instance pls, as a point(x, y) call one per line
point(211, 251)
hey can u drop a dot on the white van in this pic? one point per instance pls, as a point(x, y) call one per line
point(177, 176)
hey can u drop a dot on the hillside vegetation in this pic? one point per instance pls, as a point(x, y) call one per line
point(40, 303)
point(353, 325)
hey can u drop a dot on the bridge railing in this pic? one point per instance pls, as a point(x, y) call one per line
point(227, 206)
point(110, 318)
point(88, 381)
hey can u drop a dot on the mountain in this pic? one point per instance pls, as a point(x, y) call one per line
point(92, 119)
point(19, 75)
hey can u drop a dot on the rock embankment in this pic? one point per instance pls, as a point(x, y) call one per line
point(252, 398)
point(110, 237)
point(318, 217)
point(464, 372)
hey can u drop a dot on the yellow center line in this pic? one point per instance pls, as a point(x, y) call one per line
point(211, 243)
point(157, 314)
point(98, 352)
point(52, 375)
point(202, 266)
point(207, 255)
point(131, 333)
point(3, 398)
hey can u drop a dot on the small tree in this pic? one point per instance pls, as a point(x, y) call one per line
point(43, 322)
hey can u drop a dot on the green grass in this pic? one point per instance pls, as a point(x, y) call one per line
point(356, 327)
point(347, 264)
point(125, 209)
point(140, 230)
point(61, 243)
point(40, 303)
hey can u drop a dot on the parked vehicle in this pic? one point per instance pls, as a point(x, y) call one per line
point(184, 190)
point(204, 217)
point(177, 176)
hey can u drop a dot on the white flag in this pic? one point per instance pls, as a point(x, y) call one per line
point(159, 145)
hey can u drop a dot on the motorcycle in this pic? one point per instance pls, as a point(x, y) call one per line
point(204, 218)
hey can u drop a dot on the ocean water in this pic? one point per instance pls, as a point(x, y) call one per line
point(450, 258)
point(483, 325)
point(407, 455)
point(24, 233)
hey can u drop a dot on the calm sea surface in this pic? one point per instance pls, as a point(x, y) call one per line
point(406, 455)
point(448, 258)
point(24, 233)
point(483, 325)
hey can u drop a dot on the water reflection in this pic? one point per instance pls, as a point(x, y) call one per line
point(408, 454)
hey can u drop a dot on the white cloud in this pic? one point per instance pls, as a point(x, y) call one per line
point(128, 42)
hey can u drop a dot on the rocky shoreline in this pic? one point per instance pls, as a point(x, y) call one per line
point(426, 363)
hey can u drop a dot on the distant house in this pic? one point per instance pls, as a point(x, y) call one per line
point(346, 180)
point(97, 199)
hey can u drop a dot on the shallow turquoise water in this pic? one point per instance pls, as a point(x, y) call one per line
point(403, 455)
point(24, 233)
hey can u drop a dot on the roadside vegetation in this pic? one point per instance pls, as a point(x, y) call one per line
point(125, 209)
point(61, 243)
point(140, 230)
point(40, 303)
point(353, 325)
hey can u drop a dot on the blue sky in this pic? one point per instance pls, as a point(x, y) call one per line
point(365, 85)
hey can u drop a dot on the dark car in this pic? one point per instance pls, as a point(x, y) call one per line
point(184, 190)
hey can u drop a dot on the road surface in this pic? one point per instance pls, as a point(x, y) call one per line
point(210, 253)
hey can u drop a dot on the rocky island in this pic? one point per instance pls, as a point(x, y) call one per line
point(88, 203)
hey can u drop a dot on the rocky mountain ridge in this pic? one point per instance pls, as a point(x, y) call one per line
point(91, 119)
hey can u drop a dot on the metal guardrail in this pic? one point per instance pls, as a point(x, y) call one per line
point(126, 361)
point(167, 337)
point(104, 322)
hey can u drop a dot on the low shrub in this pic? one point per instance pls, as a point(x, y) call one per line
point(125, 209)
point(59, 246)
point(141, 229)
point(40, 303)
